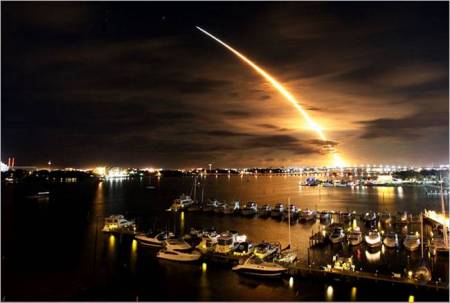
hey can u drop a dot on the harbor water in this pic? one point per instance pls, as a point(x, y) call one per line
point(53, 249)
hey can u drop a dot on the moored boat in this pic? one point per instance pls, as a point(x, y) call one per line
point(231, 207)
point(411, 241)
point(154, 238)
point(178, 250)
point(337, 235)
point(264, 211)
point(266, 249)
point(250, 209)
point(257, 267)
point(355, 236)
point(373, 238)
point(307, 215)
point(391, 240)
point(292, 212)
point(277, 211)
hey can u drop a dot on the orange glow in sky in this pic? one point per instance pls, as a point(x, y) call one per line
point(337, 161)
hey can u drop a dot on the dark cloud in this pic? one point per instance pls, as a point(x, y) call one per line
point(90, 82)
point(226, 133)
point(269, 126)
point(411, 126)
point(237, 113)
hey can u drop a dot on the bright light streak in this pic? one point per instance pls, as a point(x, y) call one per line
point(337, 160)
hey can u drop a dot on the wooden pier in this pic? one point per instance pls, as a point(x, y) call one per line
point(305, 271)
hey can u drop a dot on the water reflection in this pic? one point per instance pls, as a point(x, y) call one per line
point(386, 194)
point(291, 282)
point(373, 257)
point(353, 294)
point(329, 293)
point(182, 223)
point(133, 255)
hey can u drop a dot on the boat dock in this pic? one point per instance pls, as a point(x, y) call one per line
point(304, 271)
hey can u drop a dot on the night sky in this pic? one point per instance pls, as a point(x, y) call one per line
point(135, 84)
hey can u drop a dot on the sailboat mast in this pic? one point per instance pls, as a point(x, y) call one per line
point(444, 229)
point(421, 234)
point(195, 188)
point(289, 219)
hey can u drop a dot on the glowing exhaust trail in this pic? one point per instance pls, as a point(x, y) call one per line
point(281, 89)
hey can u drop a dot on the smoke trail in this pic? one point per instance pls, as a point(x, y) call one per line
point(283, 91)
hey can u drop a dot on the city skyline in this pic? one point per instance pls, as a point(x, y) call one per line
point(140, 86)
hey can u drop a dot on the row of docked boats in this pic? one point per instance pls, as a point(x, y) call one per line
point(262, 259)
point(372, 238)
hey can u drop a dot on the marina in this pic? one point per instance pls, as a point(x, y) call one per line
point(306, 252)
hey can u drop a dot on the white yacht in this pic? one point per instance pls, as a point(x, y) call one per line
point(277, 211)
point(153, 238)
point(116, 222)
point(391, 240)
point(250, 209)
point(178, 250)
point(373, 238)
point(355, 236)
point(181, 203)
point(257, 267)
point(337, 235)
point(411, 241)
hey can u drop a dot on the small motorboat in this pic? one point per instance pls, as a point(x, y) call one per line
point(181, 203)
point(153, 238)
point(117, 222)
point(337, 235)
point(277, 211)
point(231, 208)
point(391, 240)
point(190, 255)
point(291, 211)
point(264, 211)
point(265, 249)
point(423, 273)
point(178, 250)
point(257, 267)
point(286, 256)
point(250, 209)
point(373, 238)
point(370, 218)
point(411, 241)
point(355, 236)
point(307, 214)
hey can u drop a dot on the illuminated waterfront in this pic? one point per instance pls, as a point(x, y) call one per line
point(125, 270)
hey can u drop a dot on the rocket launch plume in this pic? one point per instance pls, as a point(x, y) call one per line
point(281, 90)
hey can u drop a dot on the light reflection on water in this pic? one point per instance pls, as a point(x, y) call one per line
point(329, 293)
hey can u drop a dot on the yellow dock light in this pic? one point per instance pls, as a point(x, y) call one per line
point(291, 282)
point(410, 273)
